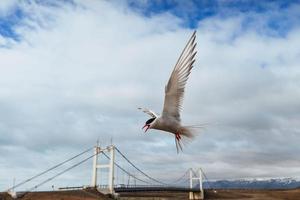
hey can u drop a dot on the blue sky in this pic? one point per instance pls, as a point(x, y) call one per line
point(13, 16)
point(191, 12)
point(10, 21)
point(72, 72)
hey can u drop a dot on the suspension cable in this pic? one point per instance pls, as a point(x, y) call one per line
point(128, 173)
point(64, 171)
point(51, 168)
point(155, 180)
point(179, 179)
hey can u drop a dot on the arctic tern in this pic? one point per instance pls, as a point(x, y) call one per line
point(169, 120)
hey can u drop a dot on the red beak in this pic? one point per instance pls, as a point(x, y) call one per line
point(147, 127)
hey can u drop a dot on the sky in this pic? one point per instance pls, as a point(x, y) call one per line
point(74, 72)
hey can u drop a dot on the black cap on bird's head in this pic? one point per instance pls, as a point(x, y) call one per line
point(148, 123)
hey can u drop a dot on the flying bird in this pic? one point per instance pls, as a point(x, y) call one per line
point(169, 120)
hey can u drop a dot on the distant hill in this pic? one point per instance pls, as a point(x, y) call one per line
point(276, 183)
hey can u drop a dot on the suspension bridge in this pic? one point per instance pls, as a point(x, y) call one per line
point(120, 178)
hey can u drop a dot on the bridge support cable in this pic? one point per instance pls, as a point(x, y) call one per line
point(153, 179)
point(48, 170)
point(133, 165)
point(125, 171)
point(181, 179)
point(60, 173)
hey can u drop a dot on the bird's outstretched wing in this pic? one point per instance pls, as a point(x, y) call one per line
point(149, 112)
point(174, 90)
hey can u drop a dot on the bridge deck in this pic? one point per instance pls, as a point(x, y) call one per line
point(155, 189)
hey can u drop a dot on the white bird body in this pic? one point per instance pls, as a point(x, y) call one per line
point(169, 120)
point(167, 124)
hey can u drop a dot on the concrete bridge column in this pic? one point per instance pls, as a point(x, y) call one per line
point(198, 194)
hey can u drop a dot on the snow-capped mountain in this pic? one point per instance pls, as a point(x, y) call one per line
point(274, 183)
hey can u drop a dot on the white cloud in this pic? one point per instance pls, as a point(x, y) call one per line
point(83, 70)
point(6, 6)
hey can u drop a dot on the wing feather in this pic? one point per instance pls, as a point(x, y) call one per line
point(149, 112)
point(174, 90)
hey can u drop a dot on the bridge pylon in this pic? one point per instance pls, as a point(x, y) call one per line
point(196, 175)
point(97, 152)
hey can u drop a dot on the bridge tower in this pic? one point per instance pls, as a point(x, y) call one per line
point(97, 151)
point(196, 175)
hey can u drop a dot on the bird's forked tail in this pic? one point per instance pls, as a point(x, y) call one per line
point(188, 133)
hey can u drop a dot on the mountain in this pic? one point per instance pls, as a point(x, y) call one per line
point(274, 183)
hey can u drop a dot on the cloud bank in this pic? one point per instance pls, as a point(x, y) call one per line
point(78, 71)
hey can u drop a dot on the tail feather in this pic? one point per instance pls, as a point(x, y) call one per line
point(189, 132)
point(178, 145)
point(192, 130)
